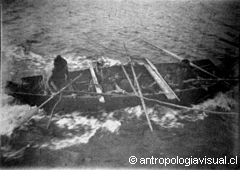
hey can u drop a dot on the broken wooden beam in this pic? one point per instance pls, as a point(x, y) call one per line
point(96, 85)
point(181, 58)
point(35, 110)
point(160, 80)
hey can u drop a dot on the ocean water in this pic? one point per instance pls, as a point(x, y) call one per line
point(190, 28)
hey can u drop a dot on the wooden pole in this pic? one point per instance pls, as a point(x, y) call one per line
point(129, 80)
point(33, 111)
point(149, 99)
point(95, 81)
point(50, 119)
point(181, 58)
point(195, 66)
point(160, 80)
point(183, 107)
point(59, 91)
point(191, 80)
point(139, 89)
point(142, 100)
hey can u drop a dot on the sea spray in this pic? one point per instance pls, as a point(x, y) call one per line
point(165, 117)
point(10, 115)
point(220, 101)
point(80, 129)
point(17, 64)
point(77, 128)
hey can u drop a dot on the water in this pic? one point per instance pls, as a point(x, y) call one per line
point(191, 29)
point(75, 28)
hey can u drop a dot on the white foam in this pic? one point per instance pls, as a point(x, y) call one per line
point(221, 100)
point(163, 116)
point(90, 125)
point(82, 62)
point(111, 125)
point(10, 116)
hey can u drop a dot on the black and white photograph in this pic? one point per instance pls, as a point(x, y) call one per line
point(119, 84)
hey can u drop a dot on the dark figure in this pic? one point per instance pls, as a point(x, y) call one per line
point(56, 75)
point(99, 71)
point(184, 72)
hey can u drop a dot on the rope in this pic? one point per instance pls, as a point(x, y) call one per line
point(60, 91)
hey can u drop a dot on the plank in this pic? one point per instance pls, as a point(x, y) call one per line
point(160, 80)
point(141, 97)
point(181, 58)
point(98, 89)
point(129, 80)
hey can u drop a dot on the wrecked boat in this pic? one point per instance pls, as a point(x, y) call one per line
point(110, 89)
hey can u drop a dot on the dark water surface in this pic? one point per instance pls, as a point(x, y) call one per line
point(190, 28)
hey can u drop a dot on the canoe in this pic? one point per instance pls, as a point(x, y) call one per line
point(30, 90)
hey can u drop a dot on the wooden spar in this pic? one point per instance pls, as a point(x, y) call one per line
point(27, 116)
point(160, 83)
point(129, 80)
point(139, 89)
point(59, 91)
point(34, 110)
point(193, 65)
point(95, 81)
point(160, 80)
point(53, 110)
point(141, 97)
point(180, 58)
point(191, 80)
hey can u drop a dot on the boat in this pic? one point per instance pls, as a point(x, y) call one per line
point(86, 98)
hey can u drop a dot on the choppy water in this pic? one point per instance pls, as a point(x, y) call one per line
point(190, 28)
point(193, 29)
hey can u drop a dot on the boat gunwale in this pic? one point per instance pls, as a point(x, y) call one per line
point(95, 95)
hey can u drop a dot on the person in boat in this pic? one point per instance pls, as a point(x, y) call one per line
point(177, 80)
point(184, 72)
point(109, 80)
point(55, 75)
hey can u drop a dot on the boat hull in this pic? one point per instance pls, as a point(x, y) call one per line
point(87, 101)
point(69, 103)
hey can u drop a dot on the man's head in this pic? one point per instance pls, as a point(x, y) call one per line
point(59, 62)
point(185, 63)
